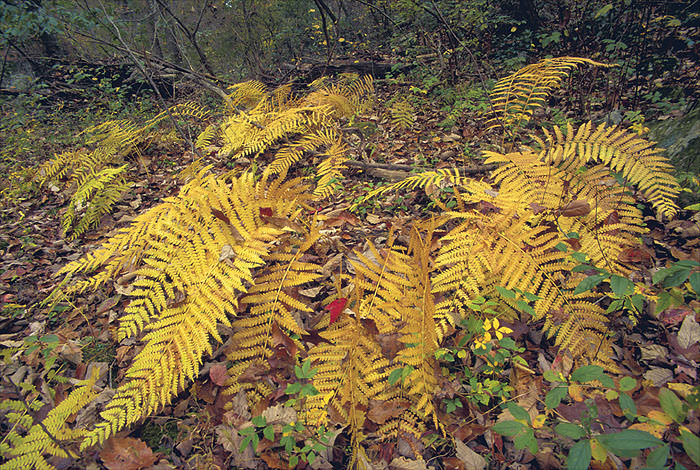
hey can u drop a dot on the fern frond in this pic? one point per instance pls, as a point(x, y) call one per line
point(622, 151)
point(29, 451)
point(96, 195)
point(351, 371)
point(402, 114)
point(518, 95)
point(442, 177)
point(270, 303)
point(191, 258)
point(207, 136)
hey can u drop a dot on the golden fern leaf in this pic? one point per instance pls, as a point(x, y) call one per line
point(622, 151)
point(442, 177)
point(191, 259)
point(607, 222)
point(95, 196)
point(503, 250)
point(419, 333)
point(402, 114)
point(246, 95)
point(351, 371)
point(271, 305)
point(518, 95)
point(28, 451)
point(207, 136)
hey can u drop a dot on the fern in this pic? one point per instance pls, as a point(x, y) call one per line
point(622, 151)
point(402, 114)
point(192, 258)
point(97, 178)
point(301, 126)
point(29, 451)
point(515, 97)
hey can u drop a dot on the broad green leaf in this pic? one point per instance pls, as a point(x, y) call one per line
point(676, 278)
point(552, 376)
point(519, 412)
point(269, 433)
point(579, 457)
point(589, 283)
point(525, 307)
point(394, 376)
point(508, 428)
point(587, 373)
point(627, 443)
point(691, 445)
point(695, 283)
point(672, 405)
point(621, 286)
point(507, 293)
point(627, 404)
point(554, 397)
point(526, 440)
point(574, 431)
point(627, 383)
point(657, 458)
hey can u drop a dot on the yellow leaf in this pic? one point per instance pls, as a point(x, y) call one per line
point(576, 392)
point(598, 451)
point(538, 422)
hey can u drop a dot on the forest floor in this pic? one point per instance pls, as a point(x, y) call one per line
point(660, 350)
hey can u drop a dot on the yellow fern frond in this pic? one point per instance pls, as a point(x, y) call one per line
point(622, 151)
point(402, 114)
point(29, 451)
point(518, 95)
point(191, 258)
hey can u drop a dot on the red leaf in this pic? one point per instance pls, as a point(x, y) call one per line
point(218, 373)
point(266, 212)
point(336, 307)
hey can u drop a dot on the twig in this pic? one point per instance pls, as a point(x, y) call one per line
point(148, 77)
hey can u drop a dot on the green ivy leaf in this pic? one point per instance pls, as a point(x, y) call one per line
point(587, 373)
point(672, 405)
point(580, 455)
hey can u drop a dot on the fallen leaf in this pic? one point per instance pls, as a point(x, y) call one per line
point(402, 463)
point(658, 376)
point(575, 208)
point(336, 308)
point(218, 373)
point(381, 411)
point(127, 454)
point(689, 333)
point(470, 459)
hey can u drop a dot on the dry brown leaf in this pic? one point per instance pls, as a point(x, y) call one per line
point(218, 373)
point(470, 459)
point(689, 333)
point(127, 454)
point(575, 208)
point(381, 411)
